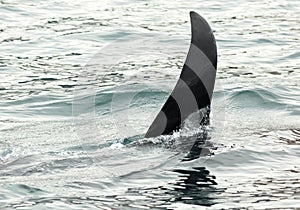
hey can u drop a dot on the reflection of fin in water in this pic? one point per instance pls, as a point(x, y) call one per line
point(198, 177)
point(194, 88)
point(195, 187)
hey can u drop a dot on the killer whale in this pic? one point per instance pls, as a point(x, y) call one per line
point(194, 88)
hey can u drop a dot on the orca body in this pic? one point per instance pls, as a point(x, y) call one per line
point(194, 88)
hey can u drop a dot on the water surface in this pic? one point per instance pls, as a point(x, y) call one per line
point(53, 156)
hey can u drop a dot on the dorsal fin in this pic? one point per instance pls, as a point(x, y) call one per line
point(194, 88)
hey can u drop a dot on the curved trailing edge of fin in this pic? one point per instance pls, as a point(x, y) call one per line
point(195, 85)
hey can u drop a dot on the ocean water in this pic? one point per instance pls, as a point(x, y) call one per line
point(81, 81)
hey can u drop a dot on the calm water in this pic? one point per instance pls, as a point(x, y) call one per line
point(71, 132)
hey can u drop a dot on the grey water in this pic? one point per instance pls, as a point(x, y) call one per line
point(76, 99)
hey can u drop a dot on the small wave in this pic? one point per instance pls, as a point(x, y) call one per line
point(262, 98)
point(287, 136)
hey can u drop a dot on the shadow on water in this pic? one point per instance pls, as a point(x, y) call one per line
point(193, 186)
point(199, 147)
